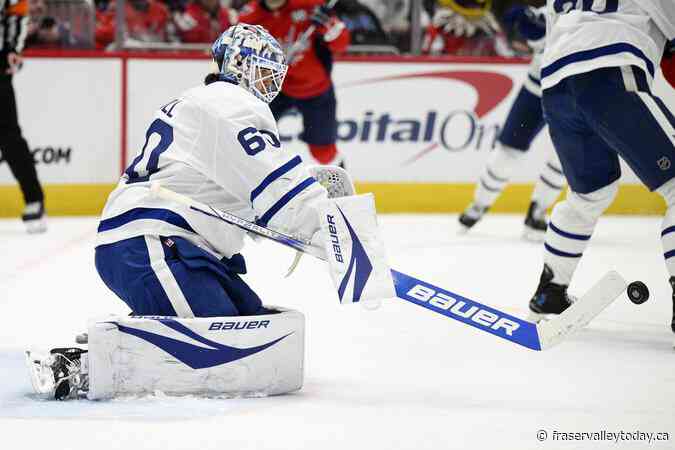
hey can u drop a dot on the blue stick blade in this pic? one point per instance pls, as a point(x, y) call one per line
point(469, 312)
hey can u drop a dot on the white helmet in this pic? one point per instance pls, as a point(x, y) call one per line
point(249, 56)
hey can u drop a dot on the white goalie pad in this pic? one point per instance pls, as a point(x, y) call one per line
point(231, 356)
point(355, 250)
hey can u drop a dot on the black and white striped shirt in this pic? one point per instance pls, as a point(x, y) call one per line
point(13, 26)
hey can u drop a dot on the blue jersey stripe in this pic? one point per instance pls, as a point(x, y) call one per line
point(283, 201)
point(549, 183)
point(668, 230)
point(664, 109)
point(554, 169)
point(640, 79)
point(533, 79)
point(275, 175)
point(587, 55)
point(161, 214)
point(557, 252)
point(669, 254)
point(578, 237)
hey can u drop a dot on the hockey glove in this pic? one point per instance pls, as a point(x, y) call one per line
point(668, 64)
point(327, 25)
point(526, 21)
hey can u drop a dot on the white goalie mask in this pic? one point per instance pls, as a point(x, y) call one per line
point(249, 56)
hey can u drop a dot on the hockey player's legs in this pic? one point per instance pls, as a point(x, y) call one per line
point(570, 229)
point(643, 132)
point(588, 161)
point(172, 277)
point(137, 272)
point(638, 125)
point(524, 122)
point(644, 135)
point(15, 151)
point(320, 126)
point(212, 287)
point(592, 171)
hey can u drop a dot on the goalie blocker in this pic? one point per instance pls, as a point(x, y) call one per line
point(354, 249)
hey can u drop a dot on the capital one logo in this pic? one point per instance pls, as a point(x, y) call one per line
point(452, 127)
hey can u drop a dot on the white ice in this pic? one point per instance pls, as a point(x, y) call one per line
point(400, 377)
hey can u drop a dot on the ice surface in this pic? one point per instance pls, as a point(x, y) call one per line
point(400, 377)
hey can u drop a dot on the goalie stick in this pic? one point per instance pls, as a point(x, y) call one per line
point(535, 336)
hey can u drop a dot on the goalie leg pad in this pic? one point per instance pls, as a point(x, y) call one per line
point(355, 249)
point(232, 356)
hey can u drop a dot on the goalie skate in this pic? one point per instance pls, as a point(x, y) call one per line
point(61, 375)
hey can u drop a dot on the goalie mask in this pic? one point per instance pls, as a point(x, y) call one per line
point(249, 56)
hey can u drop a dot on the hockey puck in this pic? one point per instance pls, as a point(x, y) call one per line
point(637, 292)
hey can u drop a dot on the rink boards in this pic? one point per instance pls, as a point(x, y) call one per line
point(415, 132)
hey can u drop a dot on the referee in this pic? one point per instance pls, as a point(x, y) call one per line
point(14, 149)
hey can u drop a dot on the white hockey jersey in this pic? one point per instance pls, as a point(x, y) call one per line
point(219, 145)
point(584, 35)
point(533, 80)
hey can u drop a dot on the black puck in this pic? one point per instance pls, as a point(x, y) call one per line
point(637, 292)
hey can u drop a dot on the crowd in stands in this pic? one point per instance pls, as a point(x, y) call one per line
point(446, 27)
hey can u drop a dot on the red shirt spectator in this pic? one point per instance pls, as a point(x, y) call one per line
point(461, 32)
point(146, 21)
point(202, 21)
point(308, 73)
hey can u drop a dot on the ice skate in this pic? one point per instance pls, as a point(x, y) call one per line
point(535, 223)
point(34, 218)
point(61, 375)
point(549, 299)
point(471, 216)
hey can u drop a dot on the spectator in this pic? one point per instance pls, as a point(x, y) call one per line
point(37, 10)
point(203, 21)
point(146, 20)
point(465, 28)
point(363, 25)
point(395, 17)
point(45, 30)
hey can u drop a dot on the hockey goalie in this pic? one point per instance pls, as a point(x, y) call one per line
point(196, 327)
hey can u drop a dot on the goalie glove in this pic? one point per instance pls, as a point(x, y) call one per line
point(529, 23)
point(668, 64)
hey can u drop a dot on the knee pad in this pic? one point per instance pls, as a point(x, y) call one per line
point(667, 191)
point(250, 355)
point(589, 207)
